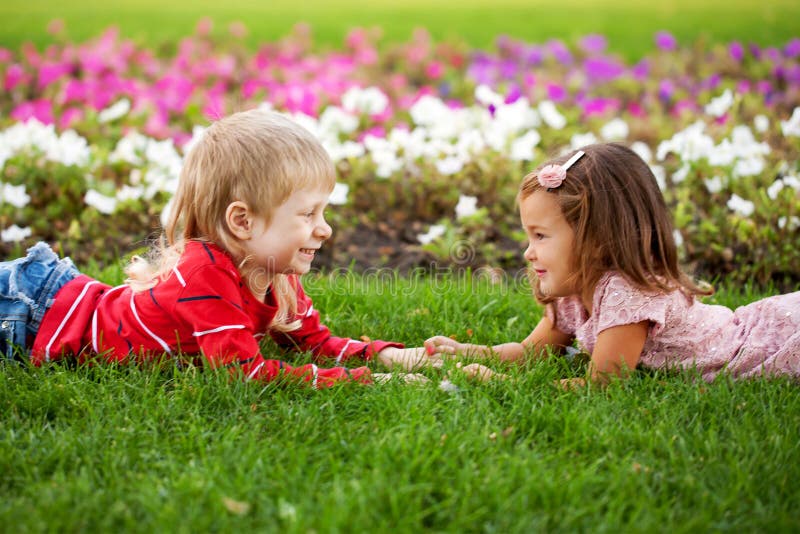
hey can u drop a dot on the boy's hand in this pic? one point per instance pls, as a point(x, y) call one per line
point(407, 359)
point(408, 378)
point(441, 345)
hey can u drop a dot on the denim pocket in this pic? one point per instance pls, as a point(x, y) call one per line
point(14, 317)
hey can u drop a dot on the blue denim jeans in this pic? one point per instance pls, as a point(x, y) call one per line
point(28, 287)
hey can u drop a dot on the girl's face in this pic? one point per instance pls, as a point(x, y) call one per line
point(297, 230)
point(550, 243)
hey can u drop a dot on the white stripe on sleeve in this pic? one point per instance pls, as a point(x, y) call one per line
point(341, 352)
point(66, 318)
point(218, 329)
point(316, 372)
point(149, 332)
point(95, 345)
point(180, 276)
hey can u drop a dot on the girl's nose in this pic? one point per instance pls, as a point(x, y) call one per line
point(530, 253)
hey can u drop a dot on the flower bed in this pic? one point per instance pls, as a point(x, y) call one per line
point(430, 139)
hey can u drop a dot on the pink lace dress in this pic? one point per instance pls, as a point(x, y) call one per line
point(762, 337)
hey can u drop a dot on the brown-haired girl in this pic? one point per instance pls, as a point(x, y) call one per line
point(245, 222)
point(605, 265)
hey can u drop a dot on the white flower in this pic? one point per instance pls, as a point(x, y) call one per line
point(792, 181)
point(197, 134)
point(681, 174)
point(449, 166)
point(100, 202)
point(428, 110)
point(792, 126)
point(551, 116)
point(581, 140)
point(643, 151)
point(522, 147)
point(339, 151)
point(165, 213)
point(127, 192)
point(775, 189)
point(15, 234)
point(720, 105)
point(14, 195)
point(334, 120)
point(467, 205)
point(115, 111)
point(487, 97)
point(614, 130)
point(339, 194)
point(370, 101)
point(792, 222)
point(751, 166)
point(678, 237)
point(713, 184)
point(660, 175)
point(131, 147)
point(690, 144)
point(434, 232)
point(740, 206)
point(761, 123)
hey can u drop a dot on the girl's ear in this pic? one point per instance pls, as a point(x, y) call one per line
point(239, 219)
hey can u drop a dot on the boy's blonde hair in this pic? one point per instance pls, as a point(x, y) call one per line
point(612, 201)
point(257, 157)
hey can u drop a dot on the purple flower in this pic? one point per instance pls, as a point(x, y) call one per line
point(736, 50)
point(773, 54)
point(594, 44)
point(603, 69)
point(641, 70)
point(513, 94)
point(665, 41)
point(559, 51)
point(792, 48)
point(555, 92)
point(533, 55)
point(665, 90)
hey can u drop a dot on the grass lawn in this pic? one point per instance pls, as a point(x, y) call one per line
point(629, 24)
point(107, 448)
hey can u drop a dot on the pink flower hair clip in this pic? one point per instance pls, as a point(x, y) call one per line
point(552, 176)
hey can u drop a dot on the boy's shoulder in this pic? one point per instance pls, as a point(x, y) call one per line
point(201, 255)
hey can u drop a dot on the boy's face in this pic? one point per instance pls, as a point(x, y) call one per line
point(550, 243)
point(287, 244)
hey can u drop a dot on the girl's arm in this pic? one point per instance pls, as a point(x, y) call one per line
point(616, 353)
point(543, 336)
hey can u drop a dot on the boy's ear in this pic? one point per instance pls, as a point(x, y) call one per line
point(239, 219)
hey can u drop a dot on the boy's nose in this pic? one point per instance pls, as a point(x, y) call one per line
point(324, 230)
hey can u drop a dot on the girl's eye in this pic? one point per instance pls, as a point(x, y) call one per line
point(538, 236)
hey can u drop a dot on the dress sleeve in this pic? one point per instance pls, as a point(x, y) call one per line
point(211, 305)
point(565, 313)
point(314, 337)
point(618, 302)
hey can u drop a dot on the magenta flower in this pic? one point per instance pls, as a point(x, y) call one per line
point(665, 41)
point(792, 49)
point(594, 44)
point(40, 109)
point(736, 50)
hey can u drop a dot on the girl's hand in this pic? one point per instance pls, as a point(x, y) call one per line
point(479, 372)
point(408, 378)
point(441, 345)
point(571, 384)
point(408, 359)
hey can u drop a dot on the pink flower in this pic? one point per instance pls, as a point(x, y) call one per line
point(552, 176)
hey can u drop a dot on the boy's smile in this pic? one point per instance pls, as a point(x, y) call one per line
point(289, 242)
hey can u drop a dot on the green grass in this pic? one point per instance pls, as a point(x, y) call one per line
point(106, 448)
point(630, 24)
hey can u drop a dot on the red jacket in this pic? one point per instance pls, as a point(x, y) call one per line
point(203, 307)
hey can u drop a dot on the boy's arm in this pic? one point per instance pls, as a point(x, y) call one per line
point(314, 337)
